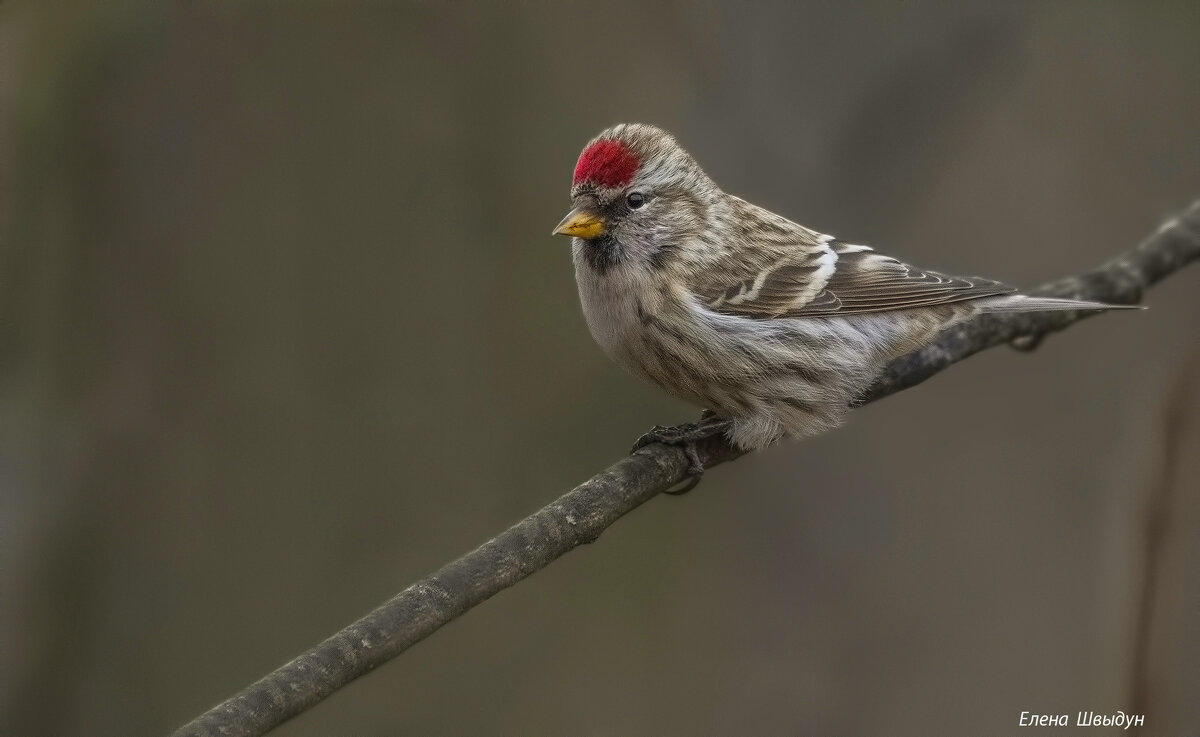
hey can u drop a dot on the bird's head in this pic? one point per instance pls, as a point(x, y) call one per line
point(637, 196)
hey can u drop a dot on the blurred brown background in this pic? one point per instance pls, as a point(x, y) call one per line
point(283, 329)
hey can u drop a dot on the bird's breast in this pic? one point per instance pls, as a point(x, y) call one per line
point(614, 305)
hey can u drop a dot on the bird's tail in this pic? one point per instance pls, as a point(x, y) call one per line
point(1024, 303)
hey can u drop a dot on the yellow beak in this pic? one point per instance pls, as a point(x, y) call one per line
point(581, 224)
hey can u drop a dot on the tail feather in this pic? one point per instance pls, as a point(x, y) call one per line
point(1024, 303)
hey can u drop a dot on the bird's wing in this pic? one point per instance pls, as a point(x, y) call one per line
point(824, 277)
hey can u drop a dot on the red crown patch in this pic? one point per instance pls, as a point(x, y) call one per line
point(607, 164)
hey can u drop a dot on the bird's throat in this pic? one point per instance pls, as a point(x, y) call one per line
point(601, 254)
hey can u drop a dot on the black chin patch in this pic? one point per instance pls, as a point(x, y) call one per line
point(602, 253)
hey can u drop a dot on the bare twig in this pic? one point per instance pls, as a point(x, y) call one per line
point(582, 514)
point(1163, 528)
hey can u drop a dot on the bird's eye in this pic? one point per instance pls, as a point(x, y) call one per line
point(635, 200)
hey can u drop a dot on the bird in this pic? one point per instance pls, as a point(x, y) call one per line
point(772, 328)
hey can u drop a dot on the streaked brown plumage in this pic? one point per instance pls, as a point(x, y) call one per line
point(773, 326)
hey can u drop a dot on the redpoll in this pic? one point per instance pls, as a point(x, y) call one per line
point(774, 327)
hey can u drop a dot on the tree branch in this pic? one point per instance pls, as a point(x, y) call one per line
point(580, 516)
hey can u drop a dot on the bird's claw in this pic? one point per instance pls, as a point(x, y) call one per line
point(685, 437)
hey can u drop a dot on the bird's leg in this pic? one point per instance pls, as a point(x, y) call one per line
point(686, 436)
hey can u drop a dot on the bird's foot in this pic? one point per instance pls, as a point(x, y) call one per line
point(686, 436)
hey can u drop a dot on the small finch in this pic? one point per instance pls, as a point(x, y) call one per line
point(773, 327)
